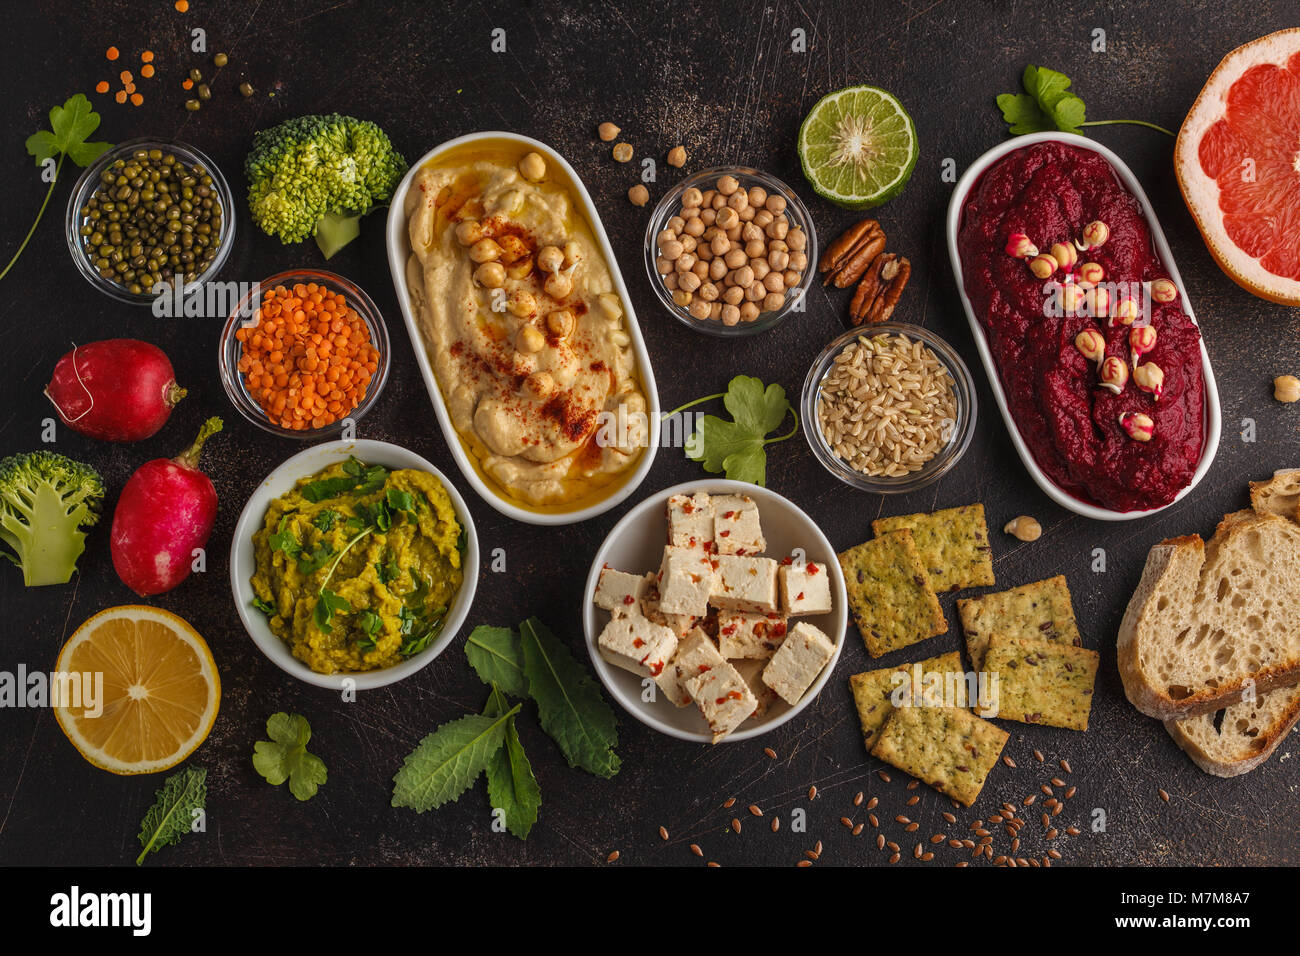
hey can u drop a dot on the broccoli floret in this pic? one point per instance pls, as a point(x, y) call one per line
point(318, 175)
point(47, 502)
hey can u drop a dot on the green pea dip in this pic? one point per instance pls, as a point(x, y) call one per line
point(357, 566)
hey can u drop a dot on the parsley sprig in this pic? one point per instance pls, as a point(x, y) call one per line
point(738, 447)
point(1047, 104)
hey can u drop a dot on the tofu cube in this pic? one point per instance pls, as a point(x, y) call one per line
point(670, 688)
point(742, 634)
point(637, 645)
point(696, 654)
point(798, 661)
point(685, 581)
point(690, 521)
point(752, 671)
point(724, 699)
point(805, 589)
point(621, 593)
point(736, 528)
point(679, 624)
point(745, 584)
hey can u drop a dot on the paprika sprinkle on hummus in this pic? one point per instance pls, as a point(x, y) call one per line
point(1100, 363)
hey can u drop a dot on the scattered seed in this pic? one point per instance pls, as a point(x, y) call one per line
point(949, 817)
point(986, 840)
point(1051, 834)
point(663, 833)
point(1054, 854)
point(1073, 831)
point(804, 863)
point(1163, 795)
point(927, 856)
point(917, 852)
point(1058, 782)
point(811, 855)
point(754, 810)
point(875, 822)
point(770, 752)
point(968, 844)
point(938, 838)
point(812, 793)
point(612, 858)
point(961, 863)
point(892, 845)
point(817, 848)
point(622, 152)
point(956, 844)
point(880, 841)
point(1015, 844)
point(1009, 808)
point(846, 821)
point(735, 824)
point(1008, 761)
point(1047, 820)
point(1071, 792)
point(731, 802)
point(1051, 802)
point(913, 801)
point(857, 830)
point(776, 824)
point(1038, 755)
point(980, 831)
point(696, 849)
point(883, 776)
point(1065, 765)
point(913, 784)
point(857, 801)
point(894, 859)
point(1011, 831)
point(902, 819)
point(714, 865)
point(1057, 809)
point(1047, 791)
point(1029, 800)
point(912, 827)
point(1000, 861)
point(871, 804)
point(995, 818)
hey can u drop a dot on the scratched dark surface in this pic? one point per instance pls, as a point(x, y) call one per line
point(721, 80)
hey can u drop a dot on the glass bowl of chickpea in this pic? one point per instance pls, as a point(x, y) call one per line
point(304, 354)
point(731, 251)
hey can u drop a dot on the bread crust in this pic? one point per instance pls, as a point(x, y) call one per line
point(1186, 555)
point(1273, 736)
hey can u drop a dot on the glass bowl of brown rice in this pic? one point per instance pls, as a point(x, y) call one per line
point(888, 408)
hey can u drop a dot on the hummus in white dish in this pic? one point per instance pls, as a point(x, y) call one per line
point(524, 331)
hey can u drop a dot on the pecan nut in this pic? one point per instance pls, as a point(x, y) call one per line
point(880, 289)
point(847, 259)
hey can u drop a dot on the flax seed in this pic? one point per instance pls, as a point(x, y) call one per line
point(817, 848)
point(1065, 765)
point(938, 838)
point(1052, 802)
point(731, 802)
point(1073, 831)
point(902, 819)
point(875, 821)
point(1011, 831)
point(1009, 808)
point(1047, 791)
point(1051, 834)
point(1029, 800)
point(812, 793)
point(913, 784)
point(776, 824)
point(956, 844)
point(1056, 810)
point(857, 800)
point(968, 844)
point(1034, 862)
point(1022, 861)
point(696, 849)
point(735, 824)
point(1038, 755)
point(912, 827)
point(804, 863)
point(811, 854)
point(917, 852)
point(961, 863)
point(663, 834)
point(892, 845)
point(1009, 762)
point(995, 818)
point(1047, 820)
point(913, 801)
point(1058, 782)
point(612, 858)
point(846, 821)
point(1070, 792)
point(857, 830)
point(895, 858)
point(986, 841)
point(871, 804)
point(980, 831)
point(770, 752)
point(949, 817)
point(714, 865)
point(883, 776)
point(1163, 795)
point(1054, 854)
point(880, 841)
point(754, 810)
point(927, 856)
point(999, 861)
point(1015, 844)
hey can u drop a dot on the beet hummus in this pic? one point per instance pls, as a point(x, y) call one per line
point(1052, 193)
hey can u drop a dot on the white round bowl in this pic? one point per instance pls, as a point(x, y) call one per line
point(636, 545)
point(242, 563)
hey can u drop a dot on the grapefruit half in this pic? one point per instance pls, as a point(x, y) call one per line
point(1238, 164)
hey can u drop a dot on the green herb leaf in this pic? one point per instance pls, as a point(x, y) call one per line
point(400, 500)
point(310, 563)
point(387, 570)
point(285, 757)
point(326, 607)
point(357, 476)
point(172, 814)
point(265, 607)
point(324, 520)
point(284, 540)
point(447, 762)
point(738, 447)
point(512, 786)
point(71, 123)
point(498, 659)
point(569, 702)
point(1048, 105)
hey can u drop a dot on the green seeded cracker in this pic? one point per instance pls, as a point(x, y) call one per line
point(949, 748)
point(872, 690)
point(890, 593)
point(1038, 610)
point(953, 544)
point(1042, 682)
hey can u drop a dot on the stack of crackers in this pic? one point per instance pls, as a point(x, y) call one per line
point(1026, 637)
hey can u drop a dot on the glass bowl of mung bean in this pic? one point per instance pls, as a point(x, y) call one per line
point(888, 408)
point(147, 212)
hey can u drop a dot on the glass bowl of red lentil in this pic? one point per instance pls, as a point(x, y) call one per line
point(888, 408)
point(778, 200)
point(304, 353)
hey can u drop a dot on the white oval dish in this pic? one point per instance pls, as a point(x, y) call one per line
point(399, 249)
point(1213, 410)
point(636, 545)
point(242, 563)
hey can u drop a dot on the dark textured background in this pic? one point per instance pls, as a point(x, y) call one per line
point(719, 79)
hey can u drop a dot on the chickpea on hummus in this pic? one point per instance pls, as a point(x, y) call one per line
point(357, 566)
point(524, 331)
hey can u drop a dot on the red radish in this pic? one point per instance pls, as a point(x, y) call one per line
point(114, 390)
point(166, 511)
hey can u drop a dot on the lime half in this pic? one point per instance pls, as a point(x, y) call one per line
point(858, 147)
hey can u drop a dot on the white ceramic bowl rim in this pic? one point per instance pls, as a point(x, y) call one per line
point(283, 478)
point(818, 547)
point(398, 253)
point(1212, 408)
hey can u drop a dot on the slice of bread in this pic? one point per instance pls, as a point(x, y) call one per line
point(1280, 495)
point(1239, 738)
point(1209, 620)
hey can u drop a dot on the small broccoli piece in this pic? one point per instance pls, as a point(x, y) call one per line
point(47, 502)
point(318, 175)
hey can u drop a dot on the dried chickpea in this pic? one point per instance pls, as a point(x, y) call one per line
point(715, 311)
point(763, 218)
point(778, 259)
point(532, 167)
point(670, 280)
point(701, 269)
point(622, 152)
point(791, 278)
point(749, 312)
point(761, 268)
point(775, 204)
point(728, 185)
point(717, 269)
point(773, 301)
point(682, 298)
point(692, 198)
point(719, 200)
point(778, 228)
point(708, 292)
point(755, 292)
point(798, 261)
point(695, 226)
point(1286, 388)
point(699, 309)
point(672, 249)
point(735, 258)
point(720, 245)
point(738, 200)
point(665, 235)
point(677, 156)
point(733, 295)
point(663, 266)
point(638, 195)
point(608, 132)
point(689, 212)
point(774, 282)
point(734, 233)
point(688, 242)
point(688, 281)
point(747, 214)
point(755, 248)
point(708, 216)
point(1025, 528)
point(727, 217)
point(704, 253)
point(685, 262)
point(730, 315)
point(797, 239)
point(676, 224)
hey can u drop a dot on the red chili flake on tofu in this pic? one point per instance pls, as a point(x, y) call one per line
point(703, 668)
point(638, 643)
point(729, 629)
point(787, 560)
point(731, 695)
point(812, 568)
point(728, 514)
point(656, 668)
point(688, 508)
point(710, 547)
point(778, 630)
point(629, 599)
point(724, 534)
point(799, 597)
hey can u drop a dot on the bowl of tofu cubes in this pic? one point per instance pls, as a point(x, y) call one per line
point(715, 611)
